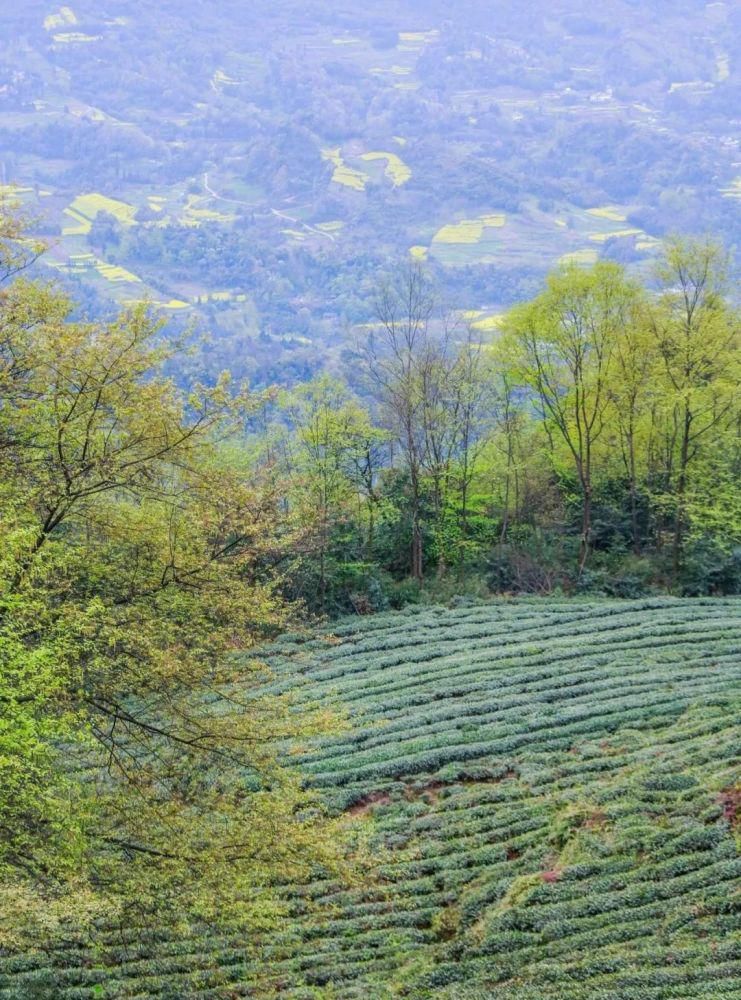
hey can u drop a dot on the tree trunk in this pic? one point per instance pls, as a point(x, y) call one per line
point(678, 539)
point(634, 518)
point(417, 568)
point(371, 538)
point(633, 494)
point(586, 526)
point(505, 517)
point(416, 526)
point(322, 577)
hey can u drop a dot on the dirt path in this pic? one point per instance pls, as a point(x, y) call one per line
point(280, 215)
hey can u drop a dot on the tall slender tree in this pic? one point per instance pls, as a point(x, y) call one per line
point(563, 344)
point(697, 336)
point(399, 357)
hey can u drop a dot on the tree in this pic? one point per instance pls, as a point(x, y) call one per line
point(471, 400)
point(137, 757)
point(697, 336)
point(453, 390)
point(507, 419)
point(562, 346)
point(632, 394)
point(398, 358)
point(426, 372)
point(329, 457)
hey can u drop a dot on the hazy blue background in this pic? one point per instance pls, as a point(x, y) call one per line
point(233, 138)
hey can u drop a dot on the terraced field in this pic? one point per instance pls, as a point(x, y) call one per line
point(553, 795)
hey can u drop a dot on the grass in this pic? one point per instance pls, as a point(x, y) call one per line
point(344, 175)
point(72, 37)
point(469, 230)
point(87, 206)
point(551, 792)
point(611, 212)
point(396, 170)
point(63, 17)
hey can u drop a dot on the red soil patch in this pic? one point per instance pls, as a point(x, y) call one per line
point(552, 875)
point(596, 821)
point(730, 799)
point(430, 791)
point(365, 805)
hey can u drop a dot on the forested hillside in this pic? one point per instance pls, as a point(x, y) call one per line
point(253, 173)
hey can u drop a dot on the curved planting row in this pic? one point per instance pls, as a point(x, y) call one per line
point(552, 794)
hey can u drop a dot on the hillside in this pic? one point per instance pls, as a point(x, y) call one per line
point(553, 793)
point(254, 173)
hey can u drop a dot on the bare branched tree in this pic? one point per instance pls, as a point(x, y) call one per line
point(425, 370)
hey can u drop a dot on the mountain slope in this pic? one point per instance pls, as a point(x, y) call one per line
point(553, 795)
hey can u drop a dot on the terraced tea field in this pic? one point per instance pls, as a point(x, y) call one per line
point(552, 792)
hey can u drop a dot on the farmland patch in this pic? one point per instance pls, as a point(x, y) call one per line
point(584, 256)
point(344, 175)
point(612, 212)
point(63, 17)
point(396, 170)
point(85, 208)
point(74, 37)
point(469, 230)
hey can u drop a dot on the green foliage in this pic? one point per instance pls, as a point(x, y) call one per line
point(147, 542)
point(549, 793)
point(138, 763)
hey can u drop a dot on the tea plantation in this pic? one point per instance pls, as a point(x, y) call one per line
point(553, 800)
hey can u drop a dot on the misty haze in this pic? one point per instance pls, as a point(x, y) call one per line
point(370, 539)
